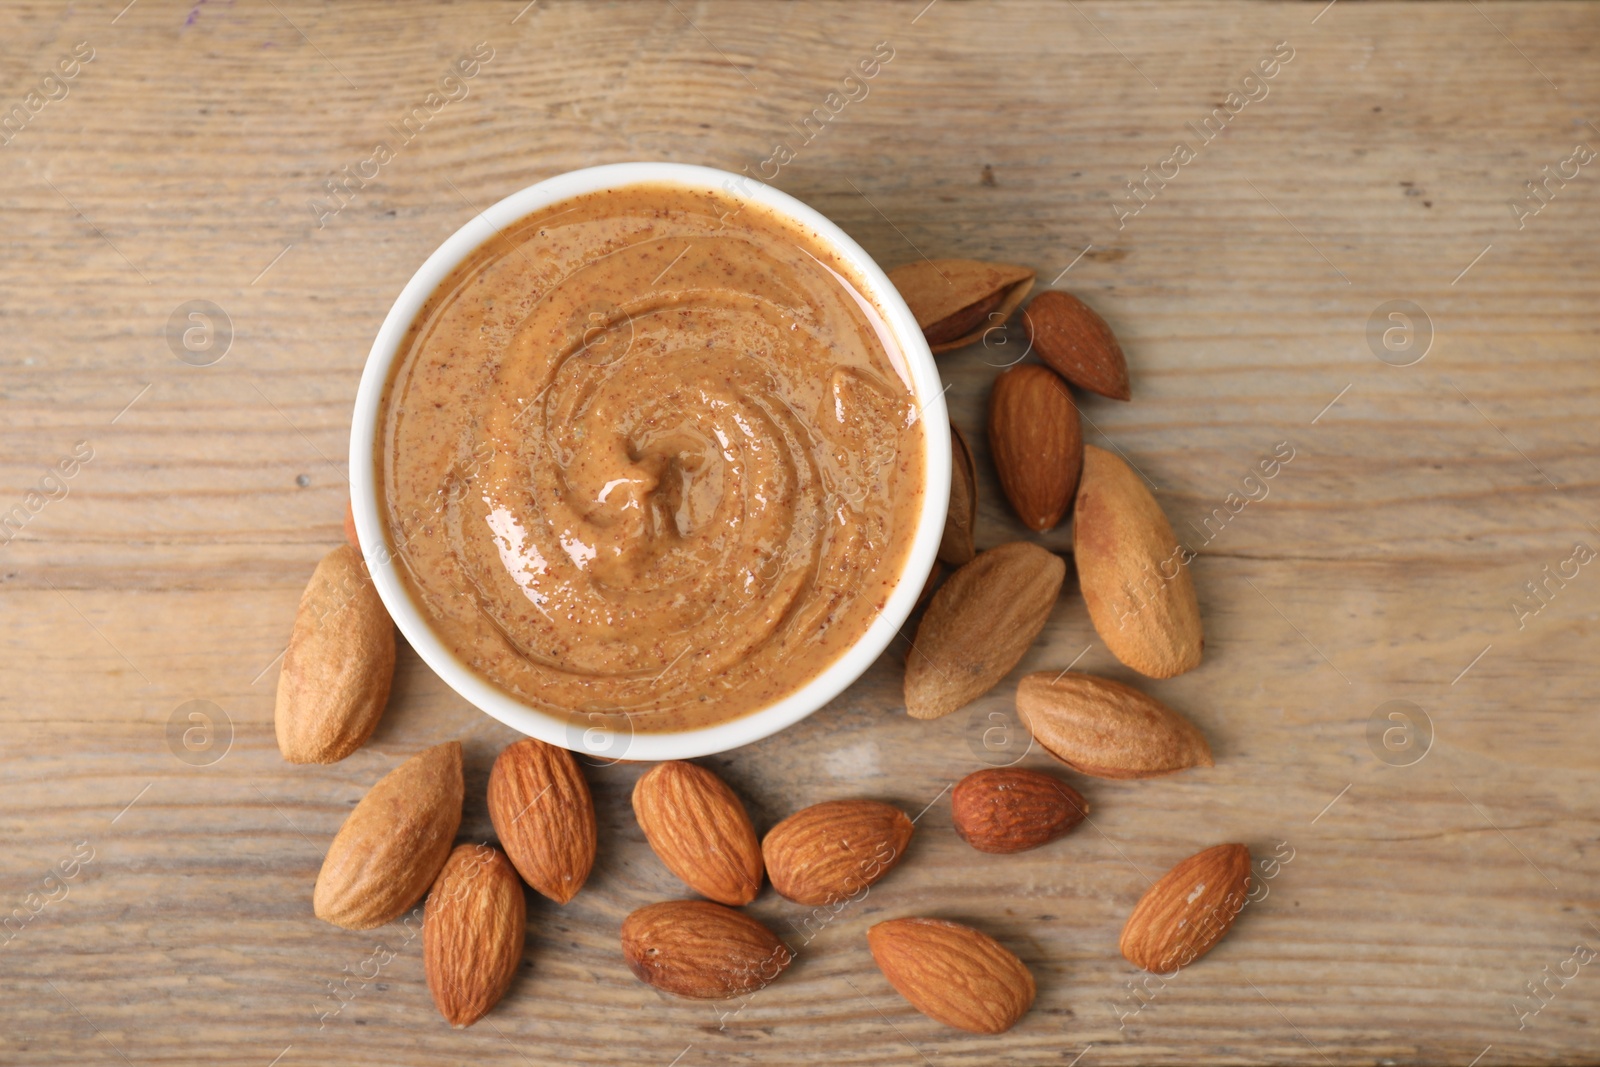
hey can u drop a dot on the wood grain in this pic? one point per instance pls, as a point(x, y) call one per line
point(1381, 566)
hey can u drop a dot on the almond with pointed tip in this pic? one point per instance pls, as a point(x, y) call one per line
point(1036, 443)
point(1185, 914)
point(698, 827)
point(392, 845)
point(701, 950)
point(544, 816)
point(961, 518)
point(1106, 729)
point(339, 664)
point(1133, 572)
point(955, 300)
point(953, 974)
point(1076, 342)
point(834, 850)
point(979, 625)
point(473, 929)
point(1001, 810)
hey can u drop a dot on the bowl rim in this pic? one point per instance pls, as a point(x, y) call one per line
point(601, 740)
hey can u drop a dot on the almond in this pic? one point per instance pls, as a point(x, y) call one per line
point(1009, 809)
point(473, 929)
point(1106, 729)
point(836, 849)
point(338, 666)
point(955, 300)
point(544, 816)
point(697, 949)
point(979, 625)
point(1133, 572)
point(1186, 913)
point(350, 527)
point(393, 843)
point(953, 974)
point(1036, 443)
point(698, 827)
point(1067, 334)
point(961, 519)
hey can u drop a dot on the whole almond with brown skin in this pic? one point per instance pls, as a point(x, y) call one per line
point(1106, 729)
point(1181, 917)
point(1010, 809)
point(1070, 336)
point(953, 974)
point(339, 664)
point(700, 830)
point(697, 949)
point(961, 519)
point(979, 625)
point(544, 816)
point(473, 928)
point(1036, 443)
point(955, 300)
point(1133, 572)
point(393, 843)
point(834, 850)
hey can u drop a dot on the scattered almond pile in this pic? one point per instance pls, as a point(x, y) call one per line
point(398, 844)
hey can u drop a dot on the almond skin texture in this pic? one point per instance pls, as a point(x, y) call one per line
point(701, 950)
point(1076, 342)
point(953, 974)
point(1186, 913)
point(544, 816)
point(979, 625)
point(338, 666)
point(1106, 729)
point(699, 828)
point(473, 929)
point(831, 851)
point(1009, 809)
point(956, 300)
point(393, 843)
point(1036, 443)
point(1133, 572)
point(961, 519)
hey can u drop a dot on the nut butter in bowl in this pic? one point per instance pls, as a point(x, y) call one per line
point(650, 461)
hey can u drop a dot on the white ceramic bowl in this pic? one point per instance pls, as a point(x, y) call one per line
point(605, 739)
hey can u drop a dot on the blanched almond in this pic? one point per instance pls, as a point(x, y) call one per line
point(1133, 572)
point(339, 664)
point(979, 625)
point(1107, 729)
point(393, 843)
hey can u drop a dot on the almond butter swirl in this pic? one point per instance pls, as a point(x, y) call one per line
point(651, 453)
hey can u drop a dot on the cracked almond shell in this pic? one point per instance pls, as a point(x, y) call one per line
point(955, 300)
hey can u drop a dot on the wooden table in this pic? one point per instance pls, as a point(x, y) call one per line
point(187, 161)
